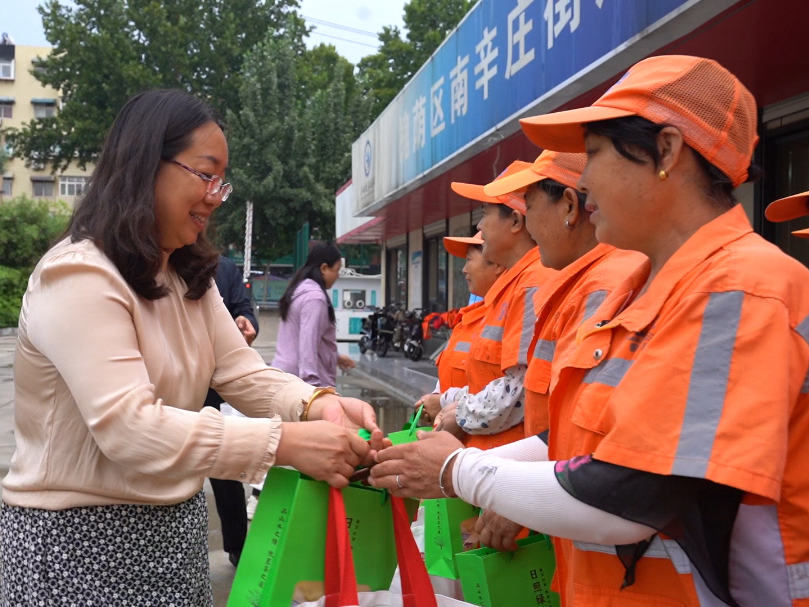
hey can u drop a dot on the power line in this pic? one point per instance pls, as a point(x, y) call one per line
point(341, 27)
point(373, 46)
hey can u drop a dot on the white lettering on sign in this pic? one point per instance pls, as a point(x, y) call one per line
point(459, 84)
point(437, 122)
point(516, 37)
point(420, 123)
point(487, 53)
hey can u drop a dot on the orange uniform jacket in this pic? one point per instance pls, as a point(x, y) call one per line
point(705, 376)
point(452, 361)
point(505, 338)
point(566, 301)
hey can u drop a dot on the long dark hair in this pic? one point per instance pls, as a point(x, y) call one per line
point(319, 253)
point(117, 212)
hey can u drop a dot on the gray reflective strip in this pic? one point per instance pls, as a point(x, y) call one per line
point(705, 597)
point(545, 350)
point(594, 301)
point(493, 333)
point(798, 580)
point(529, 321)
point(709, 383)
point(658, 549)
point(462, 346)
point(610, 373)
point(758, 570)
point(803, 329)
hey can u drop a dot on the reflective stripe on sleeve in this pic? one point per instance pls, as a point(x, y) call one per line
point(545, 350)
point(529, 319)
point(594, 301)
point(803, 329)
point(610, 372)
point(493, 333)
point(709, 383)
point(658, 549)
point(462, 346)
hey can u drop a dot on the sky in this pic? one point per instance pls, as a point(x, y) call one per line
point(25, 25)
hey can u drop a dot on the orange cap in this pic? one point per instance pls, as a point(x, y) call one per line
point(714, 111)
point(514, 200)
point(801, 233)
point(560, 166)
point(788, 208)
point(458, 245)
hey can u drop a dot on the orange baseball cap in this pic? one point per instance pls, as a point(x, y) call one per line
point(458, 245)
point(513, 200)
point(801, 233)
point(788, 208)
point(563, 167)
point(710, 106)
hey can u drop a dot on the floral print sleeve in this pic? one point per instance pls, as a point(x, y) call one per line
point(496, 408)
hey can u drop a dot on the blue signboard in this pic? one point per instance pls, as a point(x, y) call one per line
point(503, 56)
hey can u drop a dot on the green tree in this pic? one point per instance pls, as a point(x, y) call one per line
point(107, 50)
point(427, 22)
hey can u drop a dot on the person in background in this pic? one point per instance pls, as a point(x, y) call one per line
point(676, 466)
point(121, 333)
point(480, 274)
point(229, 494)
point(307, 334)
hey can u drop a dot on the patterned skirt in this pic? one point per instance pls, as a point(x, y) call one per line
point(103, 556)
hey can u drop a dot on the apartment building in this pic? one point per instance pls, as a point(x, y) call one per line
point(23, 99)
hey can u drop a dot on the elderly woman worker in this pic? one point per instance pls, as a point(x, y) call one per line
point(683, 394)
point(121, 334)
point(489, 409)
point(480, 274)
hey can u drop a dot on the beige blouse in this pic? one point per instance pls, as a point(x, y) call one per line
point(109, 390)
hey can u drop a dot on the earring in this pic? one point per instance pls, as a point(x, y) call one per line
point(663, 175)
point(567, 223)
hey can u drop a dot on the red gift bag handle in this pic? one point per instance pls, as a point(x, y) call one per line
point(417, 590)
point(341, 582)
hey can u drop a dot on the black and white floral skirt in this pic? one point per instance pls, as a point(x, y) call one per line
point(104, 556)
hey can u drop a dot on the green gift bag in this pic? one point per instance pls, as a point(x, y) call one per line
point(408, 432)
point(519, 579)
point(283, 556)
point(445, 522)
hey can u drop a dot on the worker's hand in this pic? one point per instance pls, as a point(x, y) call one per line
point(322, 450)
point(497, 532)
point(247, 329)
point(432, 406)
point(345, 362)
point(446, 421)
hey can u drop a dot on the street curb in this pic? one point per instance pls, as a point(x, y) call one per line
point(5, 331)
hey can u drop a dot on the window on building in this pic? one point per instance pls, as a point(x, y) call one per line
point(6, 69)
point(6, 110)
point(397, 275)
point(43, 189)
point(8, 187)
point(435, 268)
point(71, 186)
point(42, 110)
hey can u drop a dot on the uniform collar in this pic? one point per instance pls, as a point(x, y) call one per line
point(710, 238)
point(509, 275)
point(471, 312)
point(568, 274)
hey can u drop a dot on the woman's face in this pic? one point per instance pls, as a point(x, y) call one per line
point(545, 221)
point(479, 273)
point(331, 272)
point(620, 195)
point(182, 203)
point(496, 233)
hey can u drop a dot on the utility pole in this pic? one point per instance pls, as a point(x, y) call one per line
point(248, 240)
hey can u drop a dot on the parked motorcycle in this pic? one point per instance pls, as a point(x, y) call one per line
point(414, 342)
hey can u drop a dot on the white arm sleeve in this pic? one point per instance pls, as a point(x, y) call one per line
point(496, 408)
point(531, 449)
point(437, 389)
point(529, 494)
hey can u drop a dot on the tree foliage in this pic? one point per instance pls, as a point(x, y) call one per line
point(105, 51)
point(427, 22)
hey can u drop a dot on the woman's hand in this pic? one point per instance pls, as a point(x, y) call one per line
point(432, 406)
point(497, 532)
point(345, 362)
point(351, 414)
point(322, 450)
point(417, 466)
point(446, 422)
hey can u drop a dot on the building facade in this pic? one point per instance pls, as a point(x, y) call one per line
point(458, 118)
point(23, 99)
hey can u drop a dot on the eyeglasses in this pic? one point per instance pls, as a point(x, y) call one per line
point(215, 184)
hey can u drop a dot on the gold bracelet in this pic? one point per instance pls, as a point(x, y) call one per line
point(318, 392)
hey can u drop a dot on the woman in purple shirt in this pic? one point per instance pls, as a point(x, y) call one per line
point(307, 337)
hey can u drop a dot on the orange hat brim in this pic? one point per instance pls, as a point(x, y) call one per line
point(788, 208)
point(801, 233)
point(457, 246)
point(512, 183)
point(563, 131)
point(472, 191)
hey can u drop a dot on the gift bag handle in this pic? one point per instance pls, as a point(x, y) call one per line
point(340, 581)
point(417, 590)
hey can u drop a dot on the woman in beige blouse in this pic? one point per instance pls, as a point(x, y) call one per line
point(121, 333)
